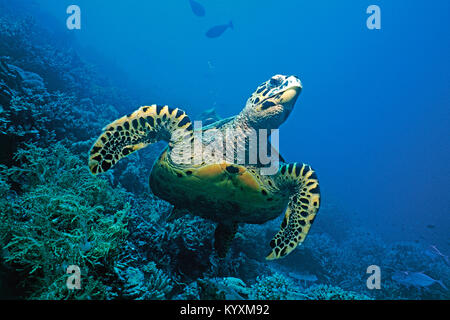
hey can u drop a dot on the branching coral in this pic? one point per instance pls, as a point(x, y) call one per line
point(326, 292)
point(147, 283)
point(274, 287)
point(158, 283)
point(181, 246)
point(62, 216)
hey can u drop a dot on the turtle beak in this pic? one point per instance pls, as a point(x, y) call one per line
point(290, 95)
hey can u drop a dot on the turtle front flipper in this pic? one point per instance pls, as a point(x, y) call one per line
point(303, 205)
point(135, 131)
point(223, 237)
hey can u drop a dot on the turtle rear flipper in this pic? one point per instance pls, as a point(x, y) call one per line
point(223, 237)
point(135, 131)
point(303, 205)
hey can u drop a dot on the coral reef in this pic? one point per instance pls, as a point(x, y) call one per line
point(275, 287)
point(60, 216)
point(326, 292)
point(147, 283)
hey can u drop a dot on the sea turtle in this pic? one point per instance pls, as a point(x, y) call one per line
point(197, 176)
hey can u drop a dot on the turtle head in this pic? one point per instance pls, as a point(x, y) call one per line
point(272, 102)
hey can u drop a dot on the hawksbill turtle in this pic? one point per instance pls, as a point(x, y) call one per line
point(209, 183)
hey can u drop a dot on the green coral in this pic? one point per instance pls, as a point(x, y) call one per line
point(61, 216)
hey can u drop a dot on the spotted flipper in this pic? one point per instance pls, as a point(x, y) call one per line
point(135, 131)
point(223, 237)
point(303, 205)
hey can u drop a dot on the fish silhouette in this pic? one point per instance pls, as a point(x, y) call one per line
point(435, 251)
point(217, 31)
point(197, 8)
point(304, 278)
point(415, 279)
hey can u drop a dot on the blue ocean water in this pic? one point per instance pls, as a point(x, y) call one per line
point(373, 116)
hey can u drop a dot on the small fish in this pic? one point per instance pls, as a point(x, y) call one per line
point(416, 279)
point(431, 226)
point(303, 277)
point(197, 8)
point(209, 116)
point(434, 250)
point(217, 31)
